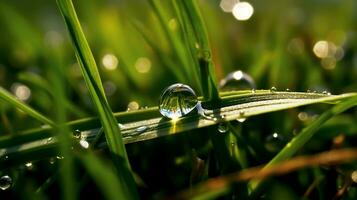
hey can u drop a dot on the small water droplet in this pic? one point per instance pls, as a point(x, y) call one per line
point(5, 182)
point(84, 144)
point(241, 117)
point(241, 120)
point(52, 160)
point(326, 92)
point(177, 101)
point(274, 142)
point(29, 165)
point(273, 89)
point(287, 89)
point(133, 105)
point(77, 133)
point(59, 157)
point(237, 80)
point(141, 129)
point(222, 128)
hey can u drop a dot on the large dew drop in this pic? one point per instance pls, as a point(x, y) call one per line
point(237, 80)
point(177, 100)
point(5, 182)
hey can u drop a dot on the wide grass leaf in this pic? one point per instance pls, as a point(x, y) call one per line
point(149, 124)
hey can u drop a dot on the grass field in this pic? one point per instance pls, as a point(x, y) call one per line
point(265, 108)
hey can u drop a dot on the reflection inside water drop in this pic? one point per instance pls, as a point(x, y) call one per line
point(177, 100)
point(5, 182)
point(237, 80)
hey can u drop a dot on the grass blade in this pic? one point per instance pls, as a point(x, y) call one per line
point(196, 38)
point(251, 104)
point(11, 99)
point(93, 82)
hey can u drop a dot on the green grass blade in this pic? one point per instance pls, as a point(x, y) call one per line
point(196, 36)
point(175, 40)
point(11, 99)
point(232, 107)
point(92, 79)
point(83, 52)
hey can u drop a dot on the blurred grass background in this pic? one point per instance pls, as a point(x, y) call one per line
point(304, 45)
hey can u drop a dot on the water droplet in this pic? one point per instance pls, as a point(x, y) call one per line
point(141, 129)
point(52, 160)
point(237, 80)
point(177, 100)
point(273, 89)
point(5, 182)
point(241, 120)
point(133, 105)
point(59, 157)
point(29, 165)
point(326, 92)
point(274, 142)
point(222, 128)
point(241, 117)
point(287, 89)
point(253, 91)
point(77, 133)
point(84, 144)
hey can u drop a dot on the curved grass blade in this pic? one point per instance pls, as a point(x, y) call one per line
point(11, 99)
point(232, 108)
point(91, 76)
